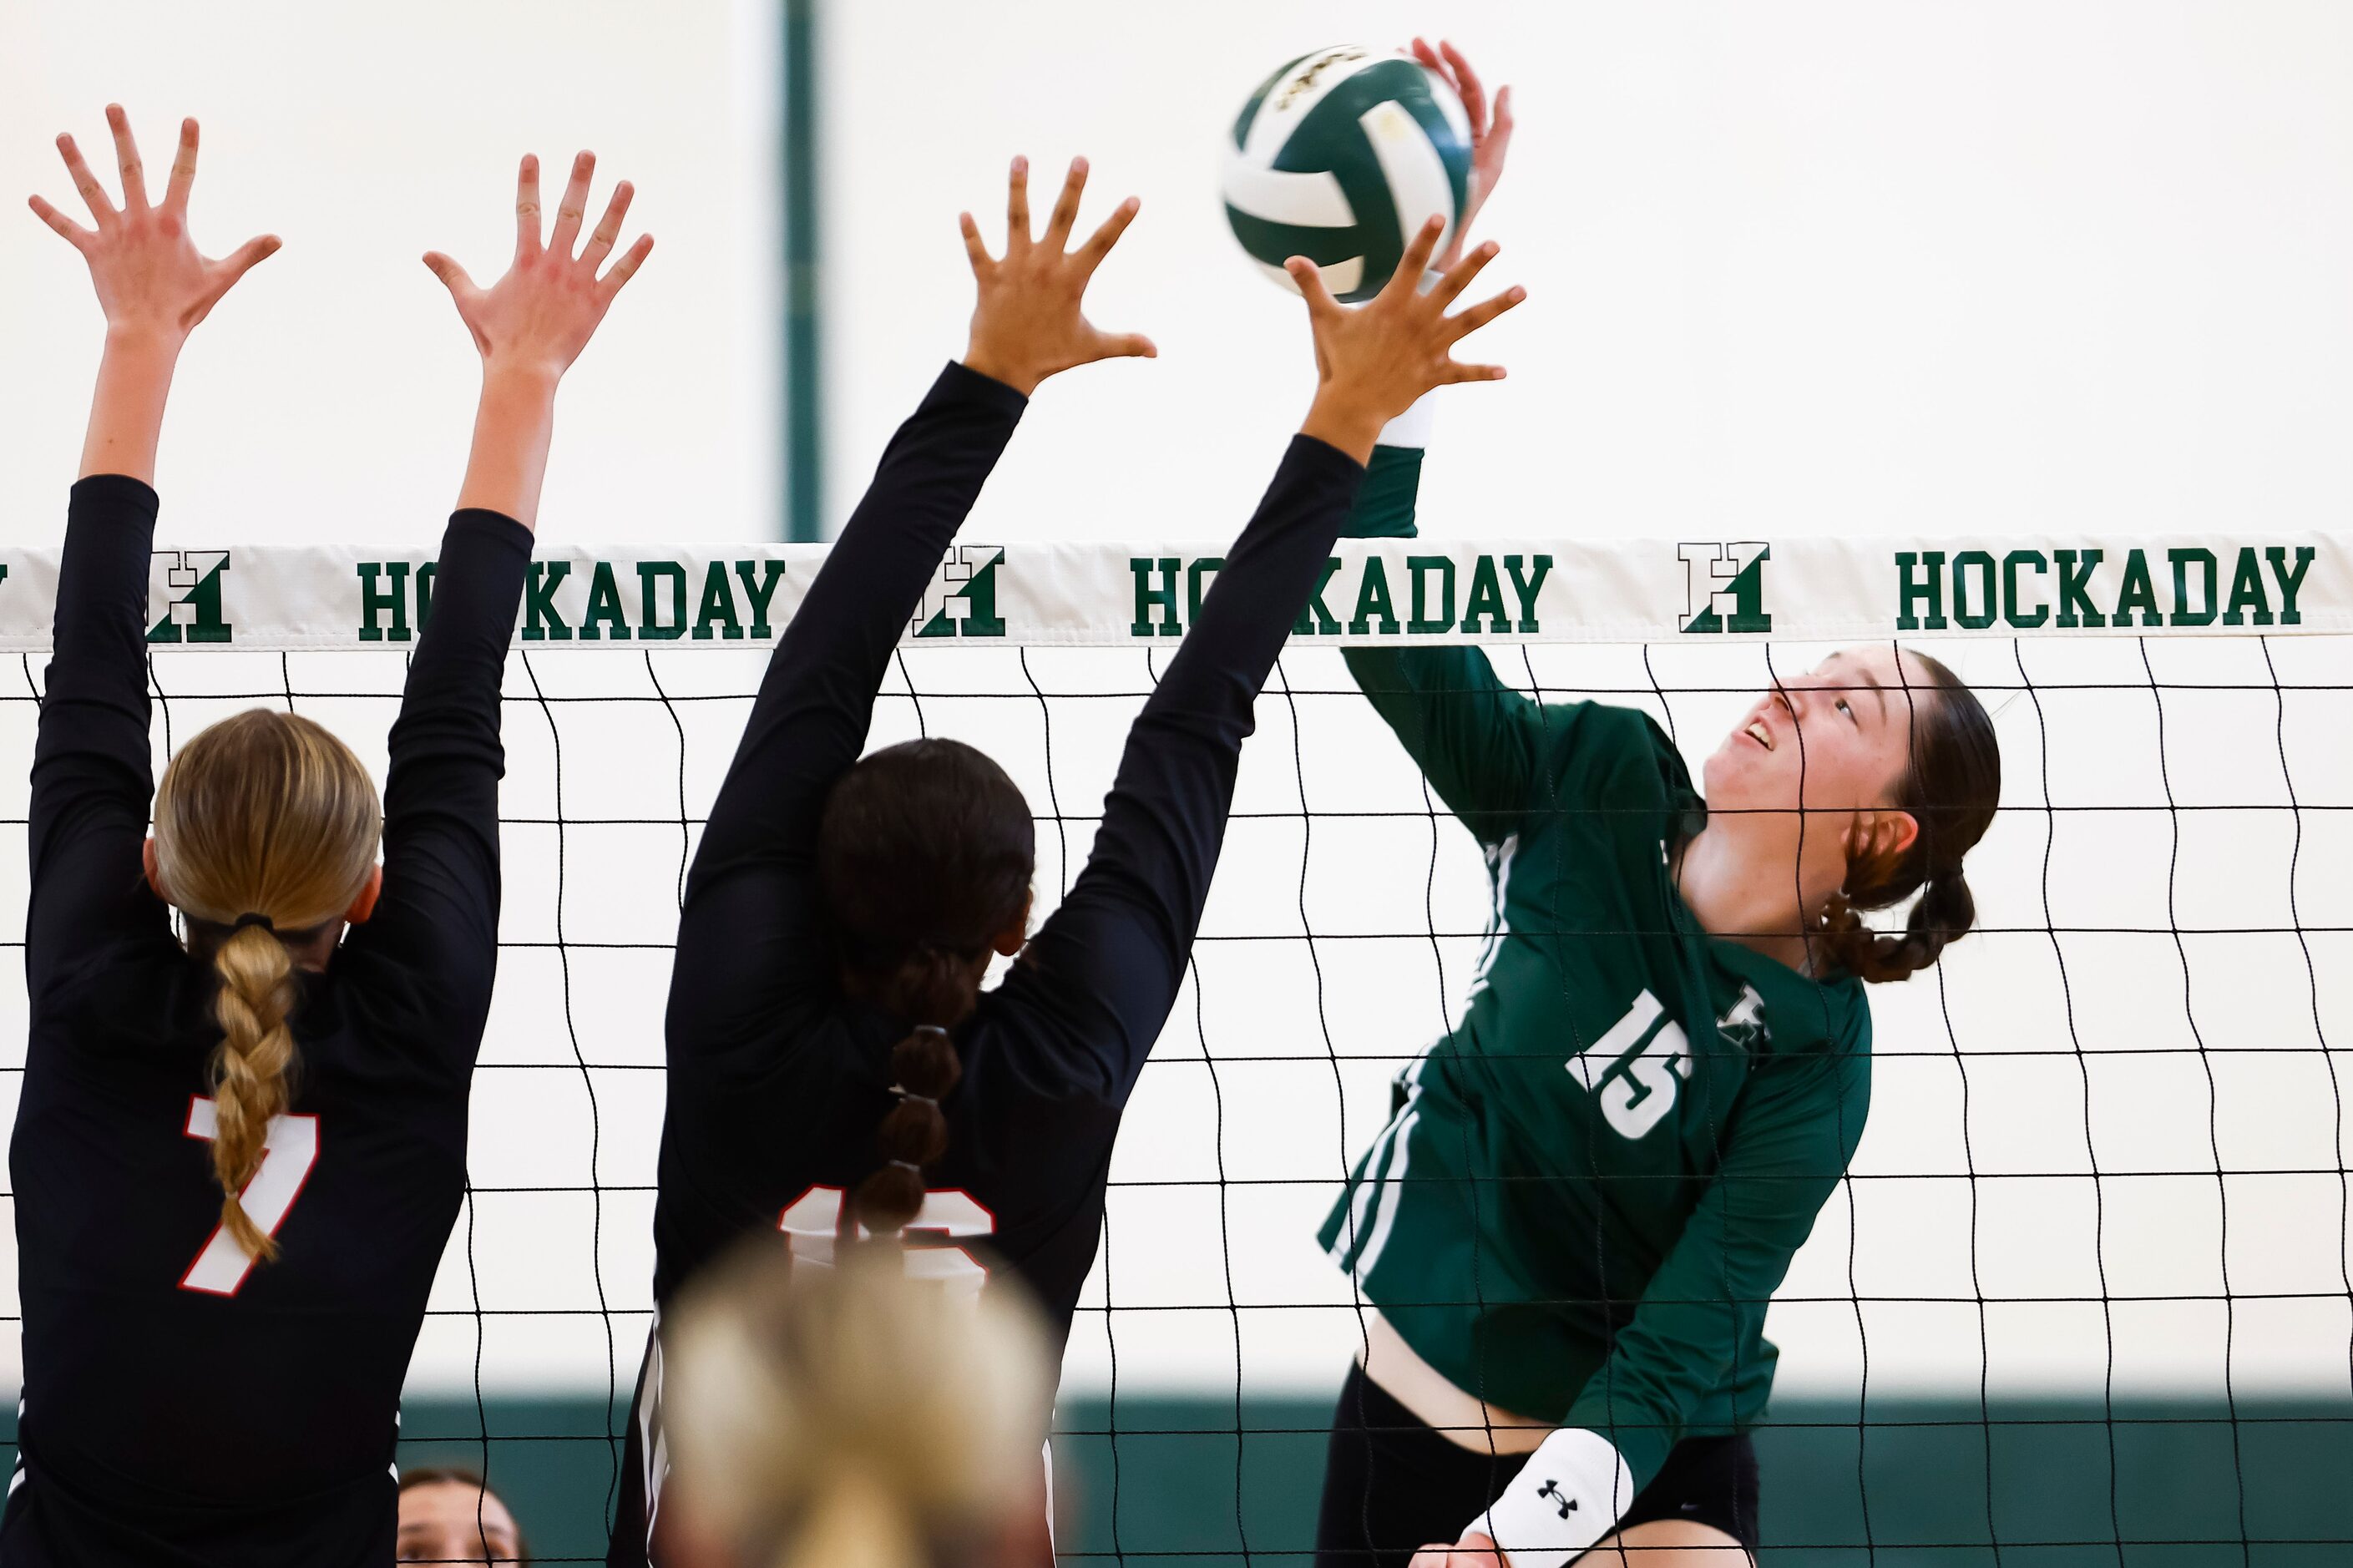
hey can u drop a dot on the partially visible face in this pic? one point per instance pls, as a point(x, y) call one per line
point(1845, 728)
point(448, 1522)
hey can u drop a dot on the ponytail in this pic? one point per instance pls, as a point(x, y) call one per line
point(252, 1069)
point(937, 990)
point(1951, 790)
point(266, 830)
point(1943, 914)
point(924, 853)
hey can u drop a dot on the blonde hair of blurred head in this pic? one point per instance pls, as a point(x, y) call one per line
point(852, 1416)
point(263, 814)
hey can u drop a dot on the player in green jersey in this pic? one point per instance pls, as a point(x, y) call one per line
point(1566, 1237)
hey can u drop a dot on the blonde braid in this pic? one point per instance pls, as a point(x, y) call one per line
point(264, 824)
point(251, 1070)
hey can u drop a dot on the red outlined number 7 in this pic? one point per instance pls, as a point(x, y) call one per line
point(287, 1155)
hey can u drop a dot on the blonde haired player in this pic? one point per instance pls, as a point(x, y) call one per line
point(855, 1418)
point(236, 1162)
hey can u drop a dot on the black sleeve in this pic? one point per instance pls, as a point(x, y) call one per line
point(1096, 983)
point(439, 916)
point(749, 955)
point(92, 778)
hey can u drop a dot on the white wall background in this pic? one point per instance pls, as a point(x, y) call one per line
point(1839, 268)
point(333, 391)
point(1816, 265)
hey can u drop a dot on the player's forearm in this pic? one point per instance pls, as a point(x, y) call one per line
point(1265, 582)
point(810, 719)
point(513, 424)
point(126, 409)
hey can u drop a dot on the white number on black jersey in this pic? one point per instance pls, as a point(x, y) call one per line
point(812, 1222)
point(287, 1155)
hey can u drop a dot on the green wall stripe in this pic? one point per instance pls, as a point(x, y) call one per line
point(804, 431)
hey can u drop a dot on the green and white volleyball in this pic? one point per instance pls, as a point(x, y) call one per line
point(1341, 155)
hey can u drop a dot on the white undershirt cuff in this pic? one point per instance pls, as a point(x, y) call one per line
point(1410, 428)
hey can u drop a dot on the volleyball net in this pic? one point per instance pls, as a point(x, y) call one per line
point(2106, 1172)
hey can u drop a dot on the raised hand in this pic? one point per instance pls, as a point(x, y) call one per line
point(1377, 359)
point(1491, 132)
point(150, 279)
point(540, 316)
point(154, 287)
point(1026, 323)
point(530, 326)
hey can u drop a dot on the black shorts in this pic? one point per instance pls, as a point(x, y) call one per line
point(1392, 1485)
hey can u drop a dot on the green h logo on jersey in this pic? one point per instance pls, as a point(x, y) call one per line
point(192, 579)
point(969, 605)
point(1724, 587)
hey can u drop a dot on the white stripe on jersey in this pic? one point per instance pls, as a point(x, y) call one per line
point(1385, 1185)
point(1499, 922)
point(1368, 1189)
point(1392, 1193)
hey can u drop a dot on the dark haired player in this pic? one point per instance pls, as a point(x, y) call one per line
point(840, 914)
point(1591, 1185)
point(188, 1400)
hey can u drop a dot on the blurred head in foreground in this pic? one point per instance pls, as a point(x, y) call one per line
point(853, 1417)
point(447, 1515)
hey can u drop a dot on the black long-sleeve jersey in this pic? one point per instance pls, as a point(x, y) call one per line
point(183, 1406)
point(778, 1081)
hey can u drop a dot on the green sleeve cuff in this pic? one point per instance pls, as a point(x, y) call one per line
point(1385, 502)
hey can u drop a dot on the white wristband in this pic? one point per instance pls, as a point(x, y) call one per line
point(1566, 1496)
point(1410, 428)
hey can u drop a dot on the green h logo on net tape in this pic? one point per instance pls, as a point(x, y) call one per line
point(1724, 586)
point(192, 587)
point(965, 590)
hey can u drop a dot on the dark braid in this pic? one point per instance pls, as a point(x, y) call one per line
point(1952, 790)
point(925, 854)
point(934, 988)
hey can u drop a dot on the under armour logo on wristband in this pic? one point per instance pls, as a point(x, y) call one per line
point(1567, 1505)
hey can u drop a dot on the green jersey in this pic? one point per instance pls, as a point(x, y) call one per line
point(1593, 1183)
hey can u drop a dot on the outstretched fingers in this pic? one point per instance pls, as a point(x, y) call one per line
point(1065, 216)
point(248, 256)
point(1017, 206)
point(1418, 252)
point(1466, 84)
point(222, 276)
point(71, 231)
point(574, 207)
point(1469, 321)
point(626, 269)
point(1126, 345)
point(527, 206)
point(453, 276)
point(1457, 278)
point(1500, 130)
point(183, 171)
point(983, 264)
point(1099, 243)
point(1461, 326)
point(608, 228)
point(93, 194)
point(126, 160)
point(1306, 274)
